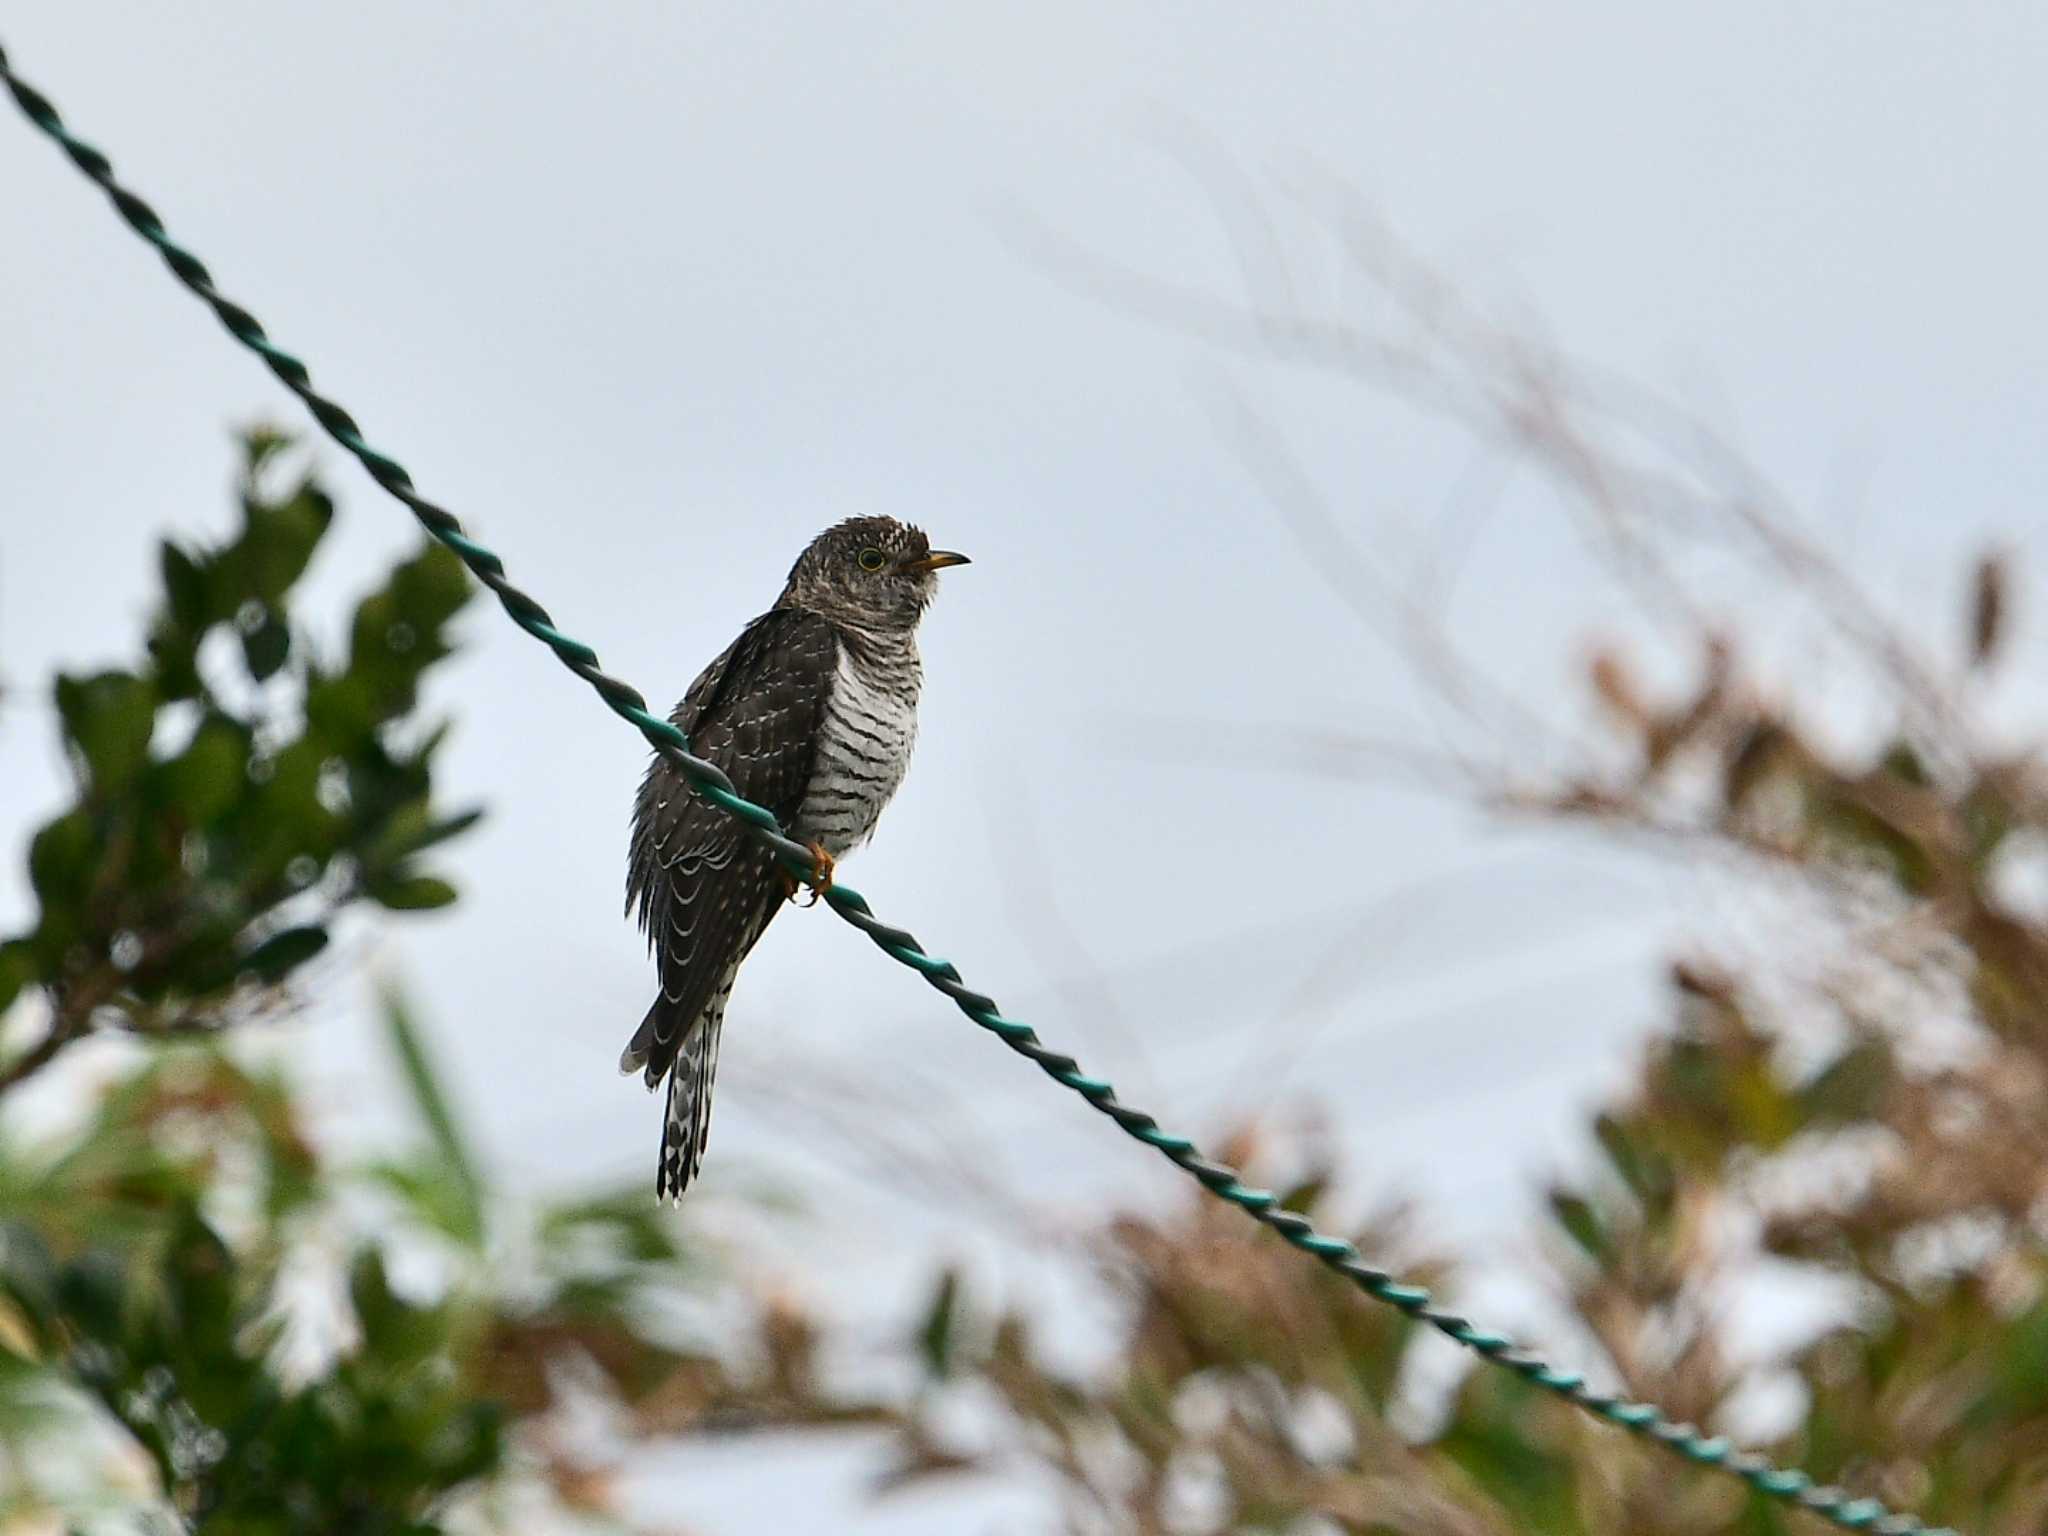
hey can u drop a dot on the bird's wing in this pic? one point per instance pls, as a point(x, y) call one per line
point(702, 889)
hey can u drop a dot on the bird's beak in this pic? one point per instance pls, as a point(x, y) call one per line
point(937, 560)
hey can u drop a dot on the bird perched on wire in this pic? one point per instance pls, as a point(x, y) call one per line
point(811, 712)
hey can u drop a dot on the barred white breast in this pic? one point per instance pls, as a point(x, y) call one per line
point(864, 742)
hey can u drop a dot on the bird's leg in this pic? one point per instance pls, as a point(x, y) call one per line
point(819, 880)
point(822, 865)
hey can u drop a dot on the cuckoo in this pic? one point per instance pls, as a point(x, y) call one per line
point(811, 712)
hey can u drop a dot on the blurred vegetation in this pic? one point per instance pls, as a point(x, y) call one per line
point(234, 793)
point(202, 1319)
point(1846, 1103)
point(1865, 1105)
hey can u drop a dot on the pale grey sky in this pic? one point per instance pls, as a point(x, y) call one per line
point(649, 293)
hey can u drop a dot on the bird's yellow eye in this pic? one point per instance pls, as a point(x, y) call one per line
point(871, 559)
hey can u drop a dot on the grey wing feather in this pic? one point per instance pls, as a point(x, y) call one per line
point(702, 890)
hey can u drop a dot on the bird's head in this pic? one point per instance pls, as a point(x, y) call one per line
point(868, 572)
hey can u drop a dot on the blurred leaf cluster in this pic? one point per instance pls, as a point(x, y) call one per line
point(207, 1321)
point(233, 790)
point(1859, 1110)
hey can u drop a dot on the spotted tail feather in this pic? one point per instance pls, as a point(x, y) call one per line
point(687, 1125)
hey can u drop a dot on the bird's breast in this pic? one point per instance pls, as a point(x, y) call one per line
point(868, 727)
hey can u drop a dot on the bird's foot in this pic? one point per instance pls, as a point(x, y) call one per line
point(819, 880)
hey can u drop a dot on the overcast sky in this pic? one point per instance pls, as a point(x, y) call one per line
point(650, 293)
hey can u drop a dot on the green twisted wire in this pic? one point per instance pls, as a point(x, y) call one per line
point(1646, 1420)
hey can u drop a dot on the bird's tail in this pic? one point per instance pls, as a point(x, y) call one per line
point(687, 1125)
point(644, 1053)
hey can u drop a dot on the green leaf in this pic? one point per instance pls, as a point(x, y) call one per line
point(1489, 1439)
point(260, 444)
point(466, 1220)
point(1762, 1516)
point(109, 718)
point(266, 646)
point(936, 1339)
point(1621, 1150)
point(1851, 1087)
point(1303, 1196)
point(18, 968)
point(278, 542)
point(390, 1326)
point(431, 588)
point(397, 632)
point(1583, 1224)
point(185, 589)
point(28, 1271)
point(1903, 761)
point(210, 775)
point(61, 860)
point(446, 827)
point(182, 623)
point(623, 1220)
point(412, 828)
point(284, 952)
point(432, 1194)
point(413, 893)
point(1857, 830)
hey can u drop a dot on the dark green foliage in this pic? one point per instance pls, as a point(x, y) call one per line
point(235, 792)
point(118, 1278)
point(231, 801)
point(122, 1283)
point(936, 1338)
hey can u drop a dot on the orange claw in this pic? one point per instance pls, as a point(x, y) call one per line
point(822, 865)
point(819, 880)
